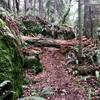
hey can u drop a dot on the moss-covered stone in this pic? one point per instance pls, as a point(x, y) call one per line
point(33, 62)
point(10, 61)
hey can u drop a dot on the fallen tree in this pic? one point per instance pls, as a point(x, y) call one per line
point(46, 42)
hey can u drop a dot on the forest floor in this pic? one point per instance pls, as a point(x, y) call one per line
point(55, 76)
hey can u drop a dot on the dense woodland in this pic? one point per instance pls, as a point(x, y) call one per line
point(49, 50)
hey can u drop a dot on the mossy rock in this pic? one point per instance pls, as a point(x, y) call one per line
point(27, 27)
point(33, 62)
point(11, 62)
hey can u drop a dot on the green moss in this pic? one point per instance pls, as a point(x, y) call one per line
point(34, 64)
point(27, 27)
point(37, 67)
point(26, 81)
point(11, 62)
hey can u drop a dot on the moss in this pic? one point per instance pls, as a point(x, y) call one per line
point(11, 62)
point(37, 67)
point(27, 27)
point(34, 64)
point(26, 81)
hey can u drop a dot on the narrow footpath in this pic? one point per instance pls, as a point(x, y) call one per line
point(55, 76)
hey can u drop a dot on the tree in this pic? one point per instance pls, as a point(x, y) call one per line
point(51, 10)
point(14, 5)
point(60, 6)
point(48, 3)
point(25, 6)
point(28, 5)
point(41, 9)
point(17, 5)
point(4, 4)
point(34, 7)
point(31, 2)
point(9, 4)
point(67, 12)
point(80, 28)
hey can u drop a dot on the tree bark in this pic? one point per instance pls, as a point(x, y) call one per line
point(53, 42)
point(59, 9)
point(46, 42)
point(41, 9)
point(9, 4)
point(17, 5)
point(31, 2)
point(80, 28)
point(28, 5)
point(25, 9)
point(14, 5)
point(34, 7)
point(67, 12)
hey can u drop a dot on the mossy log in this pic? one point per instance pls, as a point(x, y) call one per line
point(87, 69)
point(46, 42)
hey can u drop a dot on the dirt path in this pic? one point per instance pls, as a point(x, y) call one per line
point(55, 76)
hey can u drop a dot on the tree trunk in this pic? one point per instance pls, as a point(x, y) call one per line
point(46, 42)
point(31, 2)
point(34, 7)
point(67, 12)
point(28, 5)
point(14, 5)
point(9, 4)
point(80, 28)
point(25, 5)
point(41, 9)
point(17, 5)
point(59, 9)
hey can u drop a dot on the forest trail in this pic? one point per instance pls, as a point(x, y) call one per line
point(55, 76)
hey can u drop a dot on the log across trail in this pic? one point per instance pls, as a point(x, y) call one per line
point(47, 42)
point(54, 76)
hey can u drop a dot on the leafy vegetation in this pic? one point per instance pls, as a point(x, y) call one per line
point(27, 26)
